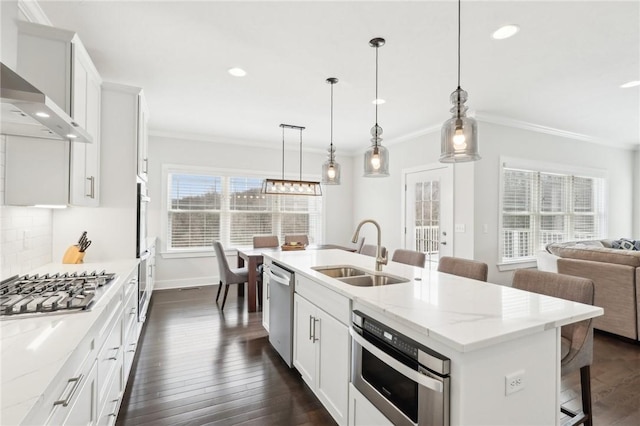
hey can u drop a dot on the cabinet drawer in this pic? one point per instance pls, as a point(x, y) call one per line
point(130, 314)
point(131, 285)
point(337, 305)
point(130, 347)
point(112, 400)
point(108, 359)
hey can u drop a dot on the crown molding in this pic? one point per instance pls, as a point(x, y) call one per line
point(33, 12)
point(196, 137)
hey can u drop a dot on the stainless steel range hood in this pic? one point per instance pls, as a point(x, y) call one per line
point(26, 111)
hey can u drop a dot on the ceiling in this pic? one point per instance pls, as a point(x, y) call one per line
point(562, 70)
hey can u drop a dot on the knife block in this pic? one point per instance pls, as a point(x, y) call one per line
point(73, 255)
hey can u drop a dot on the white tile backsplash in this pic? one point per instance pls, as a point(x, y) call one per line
point(26, 240)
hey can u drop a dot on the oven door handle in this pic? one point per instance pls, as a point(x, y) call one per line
point(409, 373)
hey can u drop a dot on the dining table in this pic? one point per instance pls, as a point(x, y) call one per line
point(252, 258)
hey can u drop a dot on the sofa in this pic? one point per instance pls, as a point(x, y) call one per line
point(615, 273)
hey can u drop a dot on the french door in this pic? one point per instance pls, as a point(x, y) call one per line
point(428, 212)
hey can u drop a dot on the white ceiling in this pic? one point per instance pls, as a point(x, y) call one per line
point(561, 71)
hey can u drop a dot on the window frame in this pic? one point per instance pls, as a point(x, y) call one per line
point(550, 168)
point(188, 252)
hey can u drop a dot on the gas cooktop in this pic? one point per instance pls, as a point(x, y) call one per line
point(43, 294)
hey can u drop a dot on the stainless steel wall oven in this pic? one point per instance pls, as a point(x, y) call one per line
point(142, 252)
point(406, 381)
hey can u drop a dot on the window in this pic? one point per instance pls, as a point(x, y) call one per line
point(540, 205)
point(203, 207)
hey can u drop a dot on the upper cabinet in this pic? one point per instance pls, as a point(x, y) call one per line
point(143, 138)
point(56, 62)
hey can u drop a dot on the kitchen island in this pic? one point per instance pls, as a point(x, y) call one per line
point(490, 333)
point(51, 361)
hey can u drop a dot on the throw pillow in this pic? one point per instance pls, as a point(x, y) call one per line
point(626, 244)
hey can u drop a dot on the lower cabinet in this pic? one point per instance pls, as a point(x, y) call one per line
point(77, 405)
point(362, 412)
point(265, 294)
point(321, 353)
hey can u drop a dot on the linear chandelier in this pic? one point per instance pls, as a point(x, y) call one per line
point(291, 186)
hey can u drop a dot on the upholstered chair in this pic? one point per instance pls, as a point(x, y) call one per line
point(371, 250)
point(409, 257)
point(264, 241)
point(577, 338)
point(228, 275)
point(463, 268)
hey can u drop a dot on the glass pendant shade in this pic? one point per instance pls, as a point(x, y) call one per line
point(459, 135)
point(376, 158)
point(331, 169)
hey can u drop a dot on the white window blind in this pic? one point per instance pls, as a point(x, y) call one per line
point(541, 207)
point(202, 208)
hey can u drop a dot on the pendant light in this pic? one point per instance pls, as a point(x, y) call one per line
point(331, 169)
point(459, 137)
point(376, 158)
point(291, 186)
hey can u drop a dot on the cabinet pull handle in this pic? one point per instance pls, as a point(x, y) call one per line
point(267, 290)
point(115, 413)
point(92, 191)
point(64, 402)
point(315, 320)
point(133, 311)
point(114, 358)
point(145, 162)
point(310, 325)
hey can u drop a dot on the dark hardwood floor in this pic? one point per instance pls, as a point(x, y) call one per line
point(197, 365)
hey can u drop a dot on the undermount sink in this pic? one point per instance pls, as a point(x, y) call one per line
point(357, 277)
point(339, 271)
point(371, 280)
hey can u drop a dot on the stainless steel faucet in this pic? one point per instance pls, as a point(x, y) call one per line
point(380, 260)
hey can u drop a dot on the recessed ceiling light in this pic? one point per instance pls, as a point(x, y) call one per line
point(505, 32)
point(378, 101)
point(237, 72)
point(630, 84)
point(42, 114)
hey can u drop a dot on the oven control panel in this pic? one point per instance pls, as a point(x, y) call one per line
point(398, 341)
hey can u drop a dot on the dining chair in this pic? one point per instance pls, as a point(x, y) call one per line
point(463, 268)
point(371, 250)
point(299, 238)
point(264, 241)
point(576, 339)
point(228, 275)
point(409, 257)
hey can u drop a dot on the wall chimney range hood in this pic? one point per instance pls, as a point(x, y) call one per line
point(26, 111)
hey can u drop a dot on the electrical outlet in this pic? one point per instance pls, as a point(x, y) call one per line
point(460, 227)
point(514, 382)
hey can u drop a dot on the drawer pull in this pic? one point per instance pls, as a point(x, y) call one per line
point(114, 414)
point(133, 311)
point(64, 402)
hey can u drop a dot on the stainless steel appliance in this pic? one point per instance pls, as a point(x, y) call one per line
point(406, 381)
point(43, 294)
point(281, 288)
point(141, 251)
point(26, 111)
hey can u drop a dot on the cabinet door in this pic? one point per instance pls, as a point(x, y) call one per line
point(362, 412)
point(83, 408)
point(304, 349)
point(333, 345)
point(265, 299)
point(143, 119)
point(92, 157)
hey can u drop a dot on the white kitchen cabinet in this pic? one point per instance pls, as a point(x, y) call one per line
point(362, 412)
point(266, 295)
point(56, 62)
point(82, 406)
point(143, 139)
point(321, 354)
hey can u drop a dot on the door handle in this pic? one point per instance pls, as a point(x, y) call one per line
point(315, 339)
point(444, 243)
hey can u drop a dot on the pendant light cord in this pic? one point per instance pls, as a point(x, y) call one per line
point(459, 1)
point(282, 152)
point(376, 101)
point(331, 149)
point(301, 154)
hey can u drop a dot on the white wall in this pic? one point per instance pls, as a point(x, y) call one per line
point(179, 272)
point(636, 195)
point(477, 191)
point(381, 198)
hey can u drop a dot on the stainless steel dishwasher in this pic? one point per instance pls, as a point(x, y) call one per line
point(281, 288)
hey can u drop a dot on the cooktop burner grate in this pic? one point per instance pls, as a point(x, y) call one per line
point(32, 294)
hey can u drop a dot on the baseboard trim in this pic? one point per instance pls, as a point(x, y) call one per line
point(185, 283)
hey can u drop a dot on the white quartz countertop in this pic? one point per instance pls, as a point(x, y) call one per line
point(35, 348)
point(462, 313)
